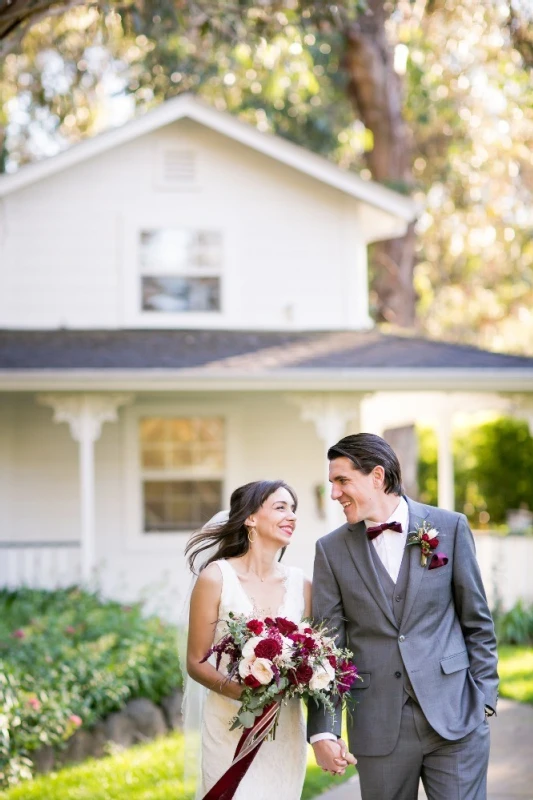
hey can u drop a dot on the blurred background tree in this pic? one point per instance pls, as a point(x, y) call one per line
point(493, 465)
point(430, 97)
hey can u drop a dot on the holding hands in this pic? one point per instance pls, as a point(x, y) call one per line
point(333, 756)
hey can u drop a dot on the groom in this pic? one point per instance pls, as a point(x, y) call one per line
point(420, 630)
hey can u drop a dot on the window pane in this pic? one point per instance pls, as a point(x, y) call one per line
point(177, 293)
point(180, 505)
point(176, 443)
point(173, 250)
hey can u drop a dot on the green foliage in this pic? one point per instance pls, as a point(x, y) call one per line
point(151, 771)
point(493, 469)
point(515, 626)
point(515, 667)
point(66, 658)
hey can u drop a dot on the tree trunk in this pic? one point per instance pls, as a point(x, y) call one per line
point(375, 90)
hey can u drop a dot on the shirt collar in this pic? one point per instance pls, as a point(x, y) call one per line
point(400, 514)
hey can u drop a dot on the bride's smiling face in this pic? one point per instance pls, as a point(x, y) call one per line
point(275, 520)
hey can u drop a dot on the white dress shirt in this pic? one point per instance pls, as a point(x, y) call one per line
point(390, 546)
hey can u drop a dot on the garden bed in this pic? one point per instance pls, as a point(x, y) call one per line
point(69, 660)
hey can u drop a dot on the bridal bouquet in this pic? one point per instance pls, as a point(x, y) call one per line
point(276, 660)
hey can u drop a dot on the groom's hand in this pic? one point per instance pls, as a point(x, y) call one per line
point(333, 756)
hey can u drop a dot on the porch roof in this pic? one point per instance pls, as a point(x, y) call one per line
point(359, 359)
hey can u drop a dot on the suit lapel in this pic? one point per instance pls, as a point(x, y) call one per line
point(359, 549)
point(417, 513)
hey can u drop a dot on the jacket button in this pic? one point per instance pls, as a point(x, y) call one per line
point(398, 598)
point(397, 674)
point(401, 639)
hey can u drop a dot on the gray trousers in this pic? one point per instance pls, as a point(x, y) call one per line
point(449, 770)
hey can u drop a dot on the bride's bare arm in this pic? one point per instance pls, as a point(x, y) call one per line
point(205, 600)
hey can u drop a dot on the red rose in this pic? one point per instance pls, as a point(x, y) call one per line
point(285, 626)
point(302, 674)
point(308, 630)
point(255, 626)
point(425, 537)
point(434, 543)
point(252, 682)
point(269, 622)
point(268, 648)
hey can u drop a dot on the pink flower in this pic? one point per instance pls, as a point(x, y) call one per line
point(34, 703)
point(18, 634)
point(70, 629)
point(77, 721)
point(255, 626)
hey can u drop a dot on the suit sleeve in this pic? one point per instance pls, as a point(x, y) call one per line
point(328, 611)
point(474, 615)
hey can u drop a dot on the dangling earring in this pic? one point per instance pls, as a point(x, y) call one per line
point(250, 530)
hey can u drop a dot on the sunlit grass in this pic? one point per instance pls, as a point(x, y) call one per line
point(516, 672)
point(146, 772)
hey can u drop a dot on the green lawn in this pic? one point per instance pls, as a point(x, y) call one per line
point(146, 772)
point(516, 672)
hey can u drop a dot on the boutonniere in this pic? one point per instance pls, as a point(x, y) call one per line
point(427, 538)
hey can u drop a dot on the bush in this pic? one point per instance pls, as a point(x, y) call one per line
point(515, 626)
point(493, 466)
point(67, 659)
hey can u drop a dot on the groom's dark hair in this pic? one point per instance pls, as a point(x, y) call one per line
point(366, 451)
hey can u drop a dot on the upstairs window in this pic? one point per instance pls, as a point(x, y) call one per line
point(182, 468)
point(180, 270)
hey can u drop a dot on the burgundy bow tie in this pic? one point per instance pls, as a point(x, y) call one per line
point(375, 530)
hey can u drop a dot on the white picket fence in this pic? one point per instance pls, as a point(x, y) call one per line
point(39, 565)
point(506, 564)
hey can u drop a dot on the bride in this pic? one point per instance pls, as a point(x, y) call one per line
point(244, 575)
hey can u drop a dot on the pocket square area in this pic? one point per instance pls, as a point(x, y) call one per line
point(438, 560)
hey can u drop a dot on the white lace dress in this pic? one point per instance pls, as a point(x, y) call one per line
point(278, 770)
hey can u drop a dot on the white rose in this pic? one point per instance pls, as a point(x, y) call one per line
point(262, 670)
point(323, 674)
point(245, 666)
point(251, 644)
point(286, 652)
point(433, 533)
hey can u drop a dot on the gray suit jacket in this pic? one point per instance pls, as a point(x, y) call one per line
point(444, 643)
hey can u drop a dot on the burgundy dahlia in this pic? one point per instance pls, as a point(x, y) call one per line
point(302, 674)
point(285, 626)
point(252, 682)
point(268, 648)
point(255, 626)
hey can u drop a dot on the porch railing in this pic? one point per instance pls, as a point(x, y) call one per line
point(39, 565)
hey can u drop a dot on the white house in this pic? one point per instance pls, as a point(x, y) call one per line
point(183, 309)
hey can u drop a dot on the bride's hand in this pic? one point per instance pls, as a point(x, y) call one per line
point(332, 756)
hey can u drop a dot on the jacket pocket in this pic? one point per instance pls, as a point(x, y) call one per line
point(363, 681)
point(454, 663)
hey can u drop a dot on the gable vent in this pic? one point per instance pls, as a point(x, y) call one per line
point(177, 169)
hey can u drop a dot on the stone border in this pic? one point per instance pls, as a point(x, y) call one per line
point(139, 721)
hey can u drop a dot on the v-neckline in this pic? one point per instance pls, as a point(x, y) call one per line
point(250, 601)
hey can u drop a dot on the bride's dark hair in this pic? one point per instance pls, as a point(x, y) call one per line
point(232, 536)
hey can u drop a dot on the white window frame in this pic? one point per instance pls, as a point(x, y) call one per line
point(132, 313)
point(136, 537)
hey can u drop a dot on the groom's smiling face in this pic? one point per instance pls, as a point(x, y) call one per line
point(358, 494)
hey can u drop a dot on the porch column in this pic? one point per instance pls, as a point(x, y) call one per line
point(445, 469)
point(330, 414)
point(85, 415)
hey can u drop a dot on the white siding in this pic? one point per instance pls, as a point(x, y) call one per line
point(70, 242)
point(266, 439)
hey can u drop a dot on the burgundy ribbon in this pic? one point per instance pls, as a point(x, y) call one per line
point(245, 752)
point(375, 530)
